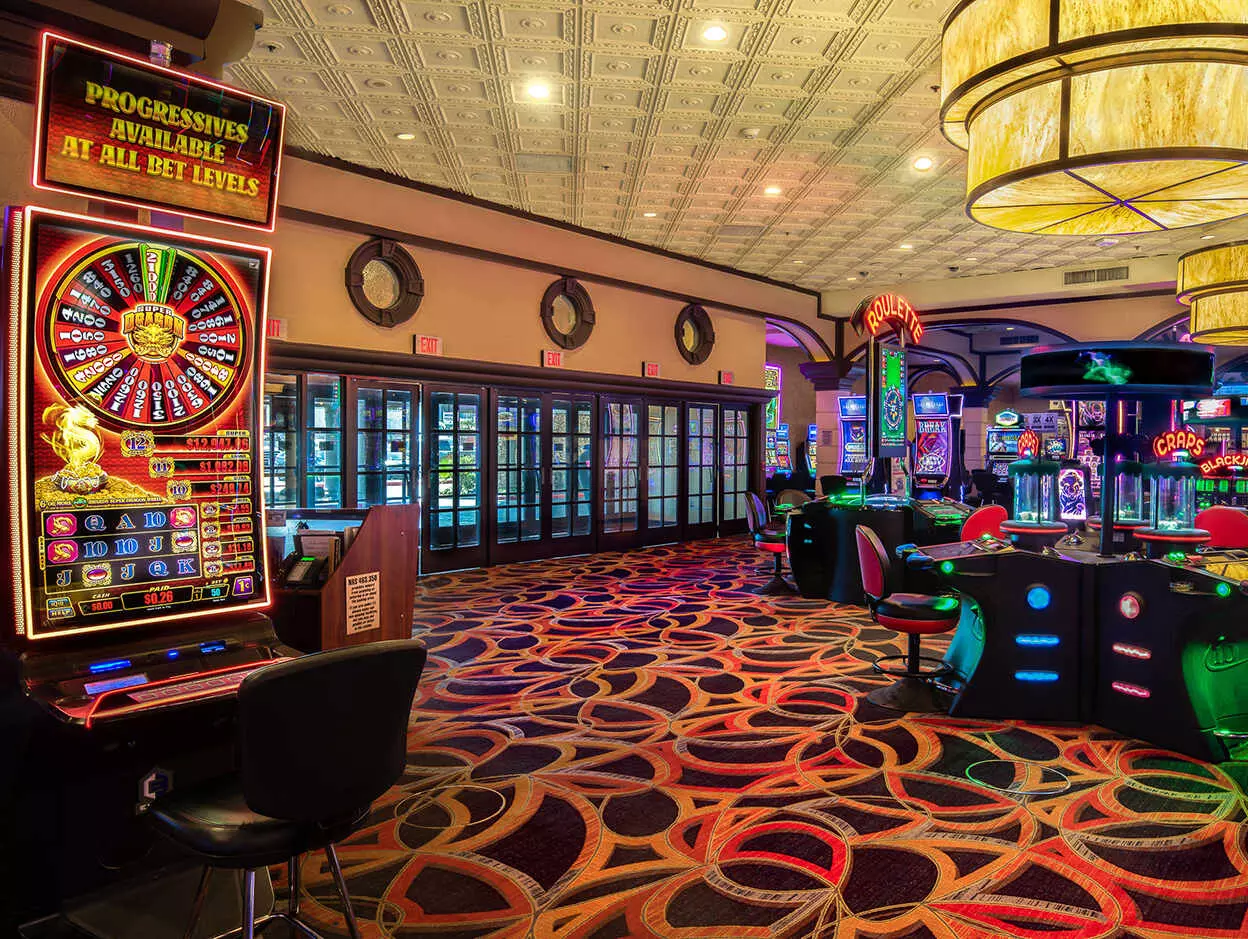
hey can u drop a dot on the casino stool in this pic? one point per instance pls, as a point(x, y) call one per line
point(986, 519)
point(832, 484)
point(1227, 526)
point(319, 738)
point(770, 541)
point(914, 614)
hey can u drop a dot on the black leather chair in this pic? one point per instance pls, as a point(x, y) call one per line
point(320, 737)
point(770, 541)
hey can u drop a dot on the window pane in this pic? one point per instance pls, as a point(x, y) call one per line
point(468, 408)
point(325, 491)
point(324, 451)
point(444, 408)
point(369, 408)
point(398, 410)
point(443, 534)
point(324, 401)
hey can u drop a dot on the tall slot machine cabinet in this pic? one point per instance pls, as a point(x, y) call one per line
point(135, 528)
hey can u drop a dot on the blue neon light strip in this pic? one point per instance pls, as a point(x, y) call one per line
point(112, 684)
point(207, 647)
point(112, 665)
point(1037, 639)
point(1035, 675)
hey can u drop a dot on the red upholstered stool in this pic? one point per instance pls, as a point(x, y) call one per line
point(769, 541)
point(1227, 526)
point(914, 614)
point(985, 520)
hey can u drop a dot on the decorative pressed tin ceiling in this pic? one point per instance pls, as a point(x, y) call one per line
point(655, 133)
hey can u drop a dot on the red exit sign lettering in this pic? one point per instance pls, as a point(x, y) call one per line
point(428, 345)
point(650, 369)
point(275, 328)
point(552, 358)
point(727, 378)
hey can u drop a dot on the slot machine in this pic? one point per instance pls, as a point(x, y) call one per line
point(1002, 447)
point(784, 461)
point(812, 448)
point(853, 463)
point(135, 527)
point(1090, 419)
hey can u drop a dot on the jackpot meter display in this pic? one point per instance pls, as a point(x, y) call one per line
point(133, 399)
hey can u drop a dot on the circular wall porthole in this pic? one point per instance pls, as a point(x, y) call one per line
point(695, 336)
point(384, 282)
point(567, 313)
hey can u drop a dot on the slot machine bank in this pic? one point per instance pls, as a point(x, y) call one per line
point(133, 513)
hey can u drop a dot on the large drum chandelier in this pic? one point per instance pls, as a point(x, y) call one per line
point(1214, 281)
point(1098, 117)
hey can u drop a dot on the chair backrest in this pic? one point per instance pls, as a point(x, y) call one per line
point(792, 497)
point(986, 518)
point(323, 735)
point(755, 512)
point(873, 560)
point(1227, 526)
point(832, 484)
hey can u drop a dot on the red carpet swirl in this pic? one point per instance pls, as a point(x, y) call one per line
point(635, 745)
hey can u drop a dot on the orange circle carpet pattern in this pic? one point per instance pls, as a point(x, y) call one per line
point(635, 745)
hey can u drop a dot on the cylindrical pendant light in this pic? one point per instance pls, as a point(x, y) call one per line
point(1098, 117)
point(1214, 282)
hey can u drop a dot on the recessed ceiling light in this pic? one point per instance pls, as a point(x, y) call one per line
point(649, 214)
point(799, 262)
point(1009, 329)
point(1106, 242)
point(1207, 237)
point(923, 164)
point(405, 136)
point(851, 279)
point(905, 247)
point(773, 190)
point(715, 33)
point(971, 260)
point(538, 90)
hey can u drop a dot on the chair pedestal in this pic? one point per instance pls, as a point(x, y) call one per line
point(777, 586)
point(913, 691)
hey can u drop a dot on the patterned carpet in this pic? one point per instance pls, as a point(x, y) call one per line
point(635, 745)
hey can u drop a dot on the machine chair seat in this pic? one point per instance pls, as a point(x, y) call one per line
point(319, 738)
point(914, 614)
point(769, 541)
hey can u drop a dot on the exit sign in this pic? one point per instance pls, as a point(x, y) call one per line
point(274, 328)
point(427, 345)
point(552, 358)
point(726, 378)
point(650, 369)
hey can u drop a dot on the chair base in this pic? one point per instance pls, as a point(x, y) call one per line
point(776, 587)
point(913, 695)
point(939, 668)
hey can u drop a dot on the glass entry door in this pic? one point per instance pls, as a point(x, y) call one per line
point(734, 470)
point(454, 520)
point(663, 470)
point(385, 442)
point(701, 444)
point(620, 487)
point(543, 472)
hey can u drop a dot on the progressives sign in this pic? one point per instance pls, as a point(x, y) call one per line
point(1173, 440)
point(118, 128)
point(888, 308)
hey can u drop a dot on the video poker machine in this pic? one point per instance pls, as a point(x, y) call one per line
point(854, 462)
point(135, 526)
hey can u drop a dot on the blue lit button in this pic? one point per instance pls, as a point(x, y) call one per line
point(1038, 597)
point(1037, 639)
point(1035, 675)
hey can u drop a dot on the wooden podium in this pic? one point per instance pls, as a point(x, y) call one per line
point(369, 595)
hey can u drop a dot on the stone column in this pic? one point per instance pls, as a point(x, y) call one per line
point(975, 403)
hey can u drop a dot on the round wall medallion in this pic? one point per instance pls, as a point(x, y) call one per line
point(384, 282)
point(695, 336)
point(567, 313)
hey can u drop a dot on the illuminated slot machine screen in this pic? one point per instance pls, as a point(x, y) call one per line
point(812, 447)
point(853, 413)
point(783, 460)
point(137, 425)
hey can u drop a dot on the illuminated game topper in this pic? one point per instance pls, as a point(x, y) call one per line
point(1029, 444)
point(891, 309)
point(1117, 369)
point(1178, 441)
point(118, 128)
point(132, 413)
point(1227, 462)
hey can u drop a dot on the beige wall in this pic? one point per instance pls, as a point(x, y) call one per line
point(482, 310)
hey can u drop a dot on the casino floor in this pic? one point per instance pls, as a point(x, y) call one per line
point(649, 749)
